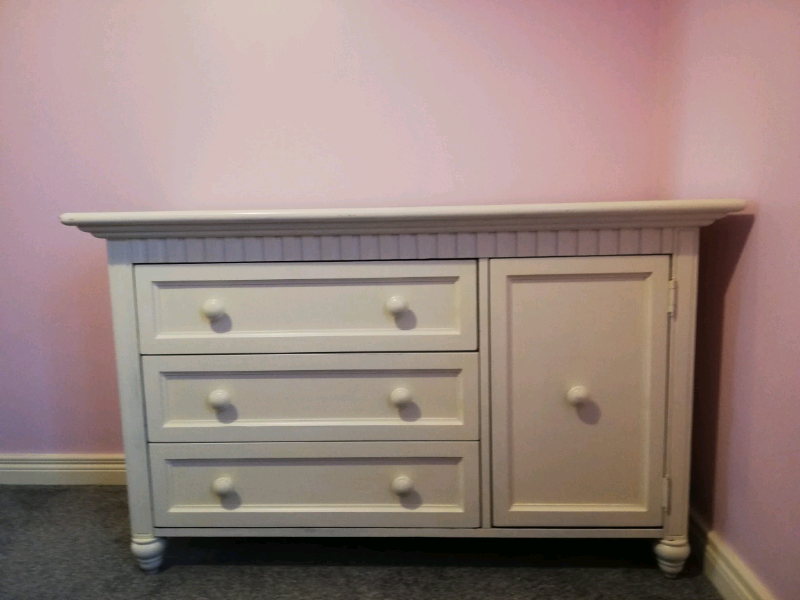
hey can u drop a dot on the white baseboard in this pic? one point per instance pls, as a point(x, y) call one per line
point(62, 469)
point(723, 567)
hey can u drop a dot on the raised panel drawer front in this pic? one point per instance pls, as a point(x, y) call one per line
point(312, 397)
point(317, 484)
point(307, 307)
point(579, 351)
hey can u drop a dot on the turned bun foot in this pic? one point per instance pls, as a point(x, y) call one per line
point(671, 555)
point(149, 552)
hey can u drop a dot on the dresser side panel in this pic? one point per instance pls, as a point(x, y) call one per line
point(681, 379)
point(129, 377)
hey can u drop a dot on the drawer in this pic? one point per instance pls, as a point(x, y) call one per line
point(312, 397)
point(316, 484)
point(307, 307)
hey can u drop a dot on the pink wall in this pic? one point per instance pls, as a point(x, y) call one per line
point(238, 104)
point(734, 131)
point(233, 104)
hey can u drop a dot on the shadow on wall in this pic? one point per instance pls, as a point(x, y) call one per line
point(721, 245)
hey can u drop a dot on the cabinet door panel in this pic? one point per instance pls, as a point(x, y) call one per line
point(597, 326)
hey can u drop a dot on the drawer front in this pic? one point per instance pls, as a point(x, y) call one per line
point(307, 307)
point(319, 484)
point(312, 397)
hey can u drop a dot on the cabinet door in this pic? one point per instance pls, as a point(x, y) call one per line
point(579, 357)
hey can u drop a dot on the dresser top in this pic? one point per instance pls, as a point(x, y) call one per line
point(439, 219)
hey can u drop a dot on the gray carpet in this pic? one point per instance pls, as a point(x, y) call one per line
point(72, 542)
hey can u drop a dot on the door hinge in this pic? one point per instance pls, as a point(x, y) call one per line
point(666, 494)
point(672, 299)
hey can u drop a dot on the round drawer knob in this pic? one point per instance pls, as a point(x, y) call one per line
point(219, 399)
point(577, 395)
point(400, 397)
point(397, 305)
point(402, 485)
point(222, 486)
point(213, 309)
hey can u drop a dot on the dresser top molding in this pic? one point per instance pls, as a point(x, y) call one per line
point(439, 219)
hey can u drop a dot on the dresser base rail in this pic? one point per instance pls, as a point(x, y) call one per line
point(498, 532)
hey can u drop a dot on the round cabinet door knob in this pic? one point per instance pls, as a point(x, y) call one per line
point(577, 395)
point(213, 309)
point(219, 399)
point(400, 397)
point(222, 486)
point(402, 485)
point(397, 305)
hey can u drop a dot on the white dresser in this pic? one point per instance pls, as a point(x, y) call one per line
point(503, 371)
